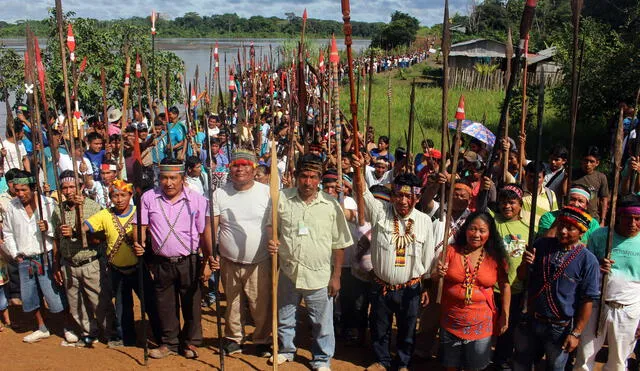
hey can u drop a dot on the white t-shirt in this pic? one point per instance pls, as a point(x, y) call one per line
point(66, 164)
point(12, 160)
point(350, 204)
point(243, 217)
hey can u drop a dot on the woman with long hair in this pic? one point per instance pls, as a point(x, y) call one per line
point(473, 265)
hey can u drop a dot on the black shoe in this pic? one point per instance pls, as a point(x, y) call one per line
point(263, 350)
point(231, 347)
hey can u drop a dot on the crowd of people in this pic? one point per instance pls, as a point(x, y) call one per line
point(360, 240)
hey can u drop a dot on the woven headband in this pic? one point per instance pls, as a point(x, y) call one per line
point(69, 180)
point(26, 180)
point(463, 187)
point(120, 185)
point(576, 217)
point(581, 192)
point(311, 166)
point(629, 210)
point(381, 196)
point(108, 167)
point(171, 168)
point(243, 155)
point(329, 178)
point(406, 189)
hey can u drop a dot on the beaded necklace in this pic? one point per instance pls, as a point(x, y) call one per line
point(401, 242)
point(469, 276)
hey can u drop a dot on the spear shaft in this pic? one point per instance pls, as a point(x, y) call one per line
point(576, 8)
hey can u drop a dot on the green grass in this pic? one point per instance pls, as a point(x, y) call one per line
point(428, 103)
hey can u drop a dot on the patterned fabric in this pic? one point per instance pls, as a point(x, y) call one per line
point(576, 217)
point(71, 248)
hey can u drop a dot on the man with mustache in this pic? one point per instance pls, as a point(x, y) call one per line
point(313, 234)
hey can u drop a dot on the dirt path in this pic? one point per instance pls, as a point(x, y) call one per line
point(50, 355)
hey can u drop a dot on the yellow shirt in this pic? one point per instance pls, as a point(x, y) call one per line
point(103, 221)
point(308, 234)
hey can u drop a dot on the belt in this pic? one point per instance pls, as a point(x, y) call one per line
point(553, 321)
point(124, 270)
point(389, 287)
point(172, 259)
point(81, 262)
point(615, 305)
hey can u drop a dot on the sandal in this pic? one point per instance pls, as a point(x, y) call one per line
point(191, 352)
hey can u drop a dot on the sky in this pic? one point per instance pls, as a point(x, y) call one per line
point(428, 12)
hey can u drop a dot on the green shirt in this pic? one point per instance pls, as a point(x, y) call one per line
point(71, 248)
point(308, 235)
point(547, 220)
point(515, 235)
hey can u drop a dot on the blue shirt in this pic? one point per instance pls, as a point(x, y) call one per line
point(96, 160)
point(578, 283)
point(389, 156)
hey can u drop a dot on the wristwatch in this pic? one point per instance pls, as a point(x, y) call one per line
point(575, 334)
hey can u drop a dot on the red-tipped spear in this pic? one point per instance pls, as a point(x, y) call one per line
point(71, 43)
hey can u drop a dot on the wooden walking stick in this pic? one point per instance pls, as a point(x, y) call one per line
point(576, 10)
point(460, 115)
point(358, 186)
point(444, 115)
point(617, 169)
point(274, 191)
point(63, 58)
point(216, 274)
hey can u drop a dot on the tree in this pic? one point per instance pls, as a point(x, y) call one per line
point(401, 31)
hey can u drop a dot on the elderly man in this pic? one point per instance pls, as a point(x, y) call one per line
point(78, 268)
point(241, 208)
point(312, 235)
point(24, 231)
point(622, 303)
point(178, 220)
point(560, 294)
point(402, 254)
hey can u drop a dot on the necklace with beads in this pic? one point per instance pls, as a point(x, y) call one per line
point(470, 276)
point(402, 241)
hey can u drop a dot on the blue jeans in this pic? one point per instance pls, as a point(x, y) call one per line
point(533, 339)
point(4, 303)
point(212, 289)
point(405, 304)
point(320, 307)
point(36, 277)
point(124, 284)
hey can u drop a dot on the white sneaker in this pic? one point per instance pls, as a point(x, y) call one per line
point(36, 336)
point(70, 337)
point(281, 359)
point(323, 368)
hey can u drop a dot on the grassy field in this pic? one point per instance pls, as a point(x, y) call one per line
point(478, 104)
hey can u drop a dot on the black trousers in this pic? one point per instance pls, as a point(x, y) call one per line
point(177, 287)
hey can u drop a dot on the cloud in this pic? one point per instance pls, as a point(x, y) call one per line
point(428, 12)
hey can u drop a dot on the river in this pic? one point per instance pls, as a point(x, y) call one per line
point(195, 52)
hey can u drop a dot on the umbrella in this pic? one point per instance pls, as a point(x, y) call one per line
point(476, 130)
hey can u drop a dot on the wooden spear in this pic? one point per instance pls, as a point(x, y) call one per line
point(576, 10)
point(444, 115)
point(368, 123)
point(334, 59)
point(105, 120)
point(359, 187)
point(274, 183)
point(617, 169)
point(63, 58)
point(509, 57)
point(125, 102)
point(412, 114)
point(460, 115)
point(523, 118)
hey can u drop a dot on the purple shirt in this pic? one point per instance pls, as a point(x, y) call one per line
point(175, 227)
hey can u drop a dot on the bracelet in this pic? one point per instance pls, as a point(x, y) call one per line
point(575, 334)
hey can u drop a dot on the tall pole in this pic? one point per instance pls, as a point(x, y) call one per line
point(63, 58)
point(446, 40)
point(359, 187)
point(368, 123)
point(523, 118)
point(274, 182)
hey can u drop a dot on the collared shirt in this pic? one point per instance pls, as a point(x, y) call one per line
point(576, 284)
point(71, 247)
point(21, 232)
point(104, 221)
point(308, 234)
point(419, 255)
point(175, 226)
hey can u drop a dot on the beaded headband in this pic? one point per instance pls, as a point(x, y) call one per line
point(69, 180)
point(329, 178)
point(243, 155)
point(514, 189)
point(400, 188)
point(311, 166)
point(171, 168)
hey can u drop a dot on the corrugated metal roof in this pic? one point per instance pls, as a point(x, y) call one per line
point(480, 51)
point(542, 55)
